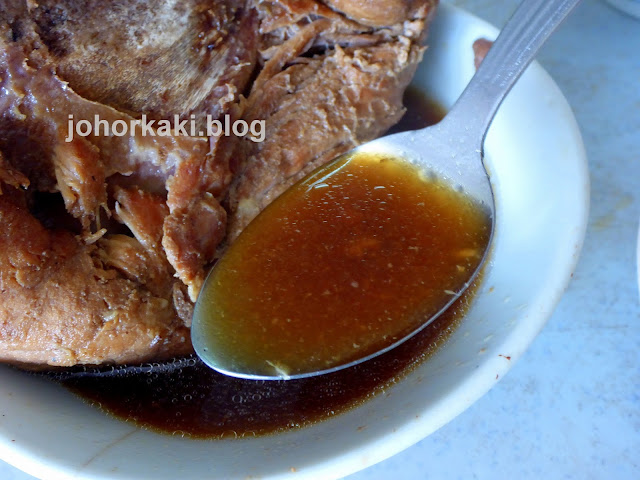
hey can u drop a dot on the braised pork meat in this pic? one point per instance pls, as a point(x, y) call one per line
point(106, 239)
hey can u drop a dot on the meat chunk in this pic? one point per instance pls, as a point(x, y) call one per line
point(106, 239)
point(165, 58)
point(377, 13)
point(61, 306)
point(34, 134)
point(480, 49)
point(317, 107)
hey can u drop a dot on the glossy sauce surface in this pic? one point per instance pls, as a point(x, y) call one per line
point(343, 264)
point(199, 402)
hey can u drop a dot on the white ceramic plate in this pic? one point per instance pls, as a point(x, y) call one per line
point(538, 167)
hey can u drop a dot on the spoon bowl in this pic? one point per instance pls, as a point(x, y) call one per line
point(452, 151)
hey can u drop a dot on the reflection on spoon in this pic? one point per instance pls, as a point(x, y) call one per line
point(336, 271)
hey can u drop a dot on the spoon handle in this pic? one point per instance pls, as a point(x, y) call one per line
point(514, 49)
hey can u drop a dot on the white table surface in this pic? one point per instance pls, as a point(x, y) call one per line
point(570, 407)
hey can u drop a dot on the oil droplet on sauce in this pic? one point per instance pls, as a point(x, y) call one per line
point(343, 264)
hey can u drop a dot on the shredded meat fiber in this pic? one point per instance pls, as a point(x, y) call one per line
point(105, 240)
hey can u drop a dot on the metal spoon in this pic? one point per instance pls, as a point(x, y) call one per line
point(452, 150)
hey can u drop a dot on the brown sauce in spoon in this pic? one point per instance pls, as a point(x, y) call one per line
point(199, 402)
point(342, 265)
